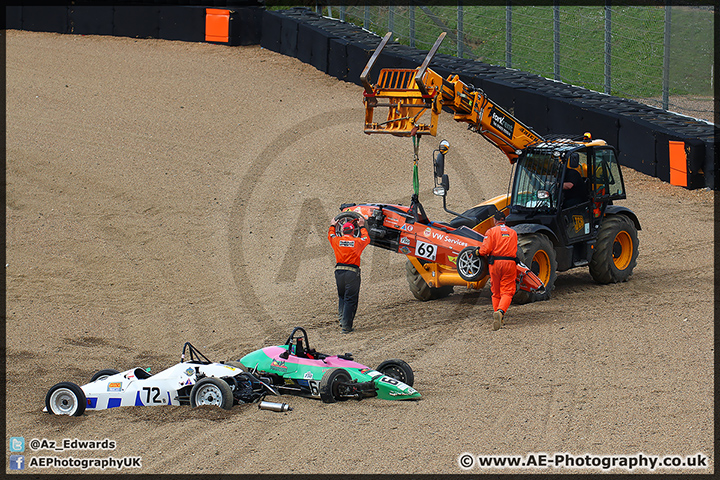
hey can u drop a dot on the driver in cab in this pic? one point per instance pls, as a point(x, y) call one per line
point(574, 188)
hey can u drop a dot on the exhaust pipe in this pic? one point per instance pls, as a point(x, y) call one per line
point(274, 406)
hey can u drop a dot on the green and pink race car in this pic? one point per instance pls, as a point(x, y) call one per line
point(296, 369)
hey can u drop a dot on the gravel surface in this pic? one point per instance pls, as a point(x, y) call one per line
point(161, 192)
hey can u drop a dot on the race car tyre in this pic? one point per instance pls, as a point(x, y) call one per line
point(537, 252)
point(397, 369)
point(330, 383)
point(616, 250)
point(212, 391)
point(346, 217)
point(419, 287)
point(471, 267)
point(66, 398)
point(103, 374)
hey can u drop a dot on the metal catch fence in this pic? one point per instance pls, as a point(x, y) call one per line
point(657, 53)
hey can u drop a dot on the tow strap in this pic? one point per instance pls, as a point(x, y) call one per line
point(416, 148)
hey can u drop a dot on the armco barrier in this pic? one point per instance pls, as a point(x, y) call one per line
point(672, 147)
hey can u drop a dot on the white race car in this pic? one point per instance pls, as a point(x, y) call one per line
point(195, 382)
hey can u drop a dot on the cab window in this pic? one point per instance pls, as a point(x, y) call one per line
point(607, 180)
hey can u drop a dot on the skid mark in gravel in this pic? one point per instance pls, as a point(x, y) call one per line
point(116, 251)
point(242, 247)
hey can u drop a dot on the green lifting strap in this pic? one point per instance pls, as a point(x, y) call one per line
point(416, 176)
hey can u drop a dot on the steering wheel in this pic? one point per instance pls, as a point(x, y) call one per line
point(344, 217)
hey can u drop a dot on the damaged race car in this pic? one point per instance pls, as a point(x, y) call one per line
point(194, 382)
point(439, 250)
point(296, 369)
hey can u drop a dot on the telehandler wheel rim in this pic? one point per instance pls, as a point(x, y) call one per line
point(622, 250)
point(541, 266)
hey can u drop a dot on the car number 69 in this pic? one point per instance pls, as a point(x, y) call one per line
point(425, 250)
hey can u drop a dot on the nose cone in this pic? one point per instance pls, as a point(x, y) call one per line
point(391, 389)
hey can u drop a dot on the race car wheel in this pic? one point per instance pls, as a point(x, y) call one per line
point(212, 391)
point(471, 267)
point(397, 369)
point(66, 398)
point(330, 385)
point(103, 374)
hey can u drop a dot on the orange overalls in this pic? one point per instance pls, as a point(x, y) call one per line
point(348, 249)
point(501, 241)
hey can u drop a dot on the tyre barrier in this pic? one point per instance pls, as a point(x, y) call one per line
point(672, 147)
point(228, 23)
point(137, 21)
point(86, 20)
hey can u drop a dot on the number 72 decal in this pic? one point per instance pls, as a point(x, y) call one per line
point(153, 395)
point(425, 250)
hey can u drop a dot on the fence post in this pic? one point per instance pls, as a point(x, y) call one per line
point(666, 57)
point(556, 39)
point(508, 34)
point(412, 24)
point(460, 34)
point(608, 46)
point(366, 20)
point(391, 19)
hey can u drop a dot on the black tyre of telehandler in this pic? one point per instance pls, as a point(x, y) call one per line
point(419, 287)
point(616, 250)
point(537, 252)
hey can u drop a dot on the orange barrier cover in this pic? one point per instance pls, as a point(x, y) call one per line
point(678, 164)
point(217, 25)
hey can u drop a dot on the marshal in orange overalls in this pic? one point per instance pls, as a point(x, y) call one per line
point(500, 246)
point(348, 249)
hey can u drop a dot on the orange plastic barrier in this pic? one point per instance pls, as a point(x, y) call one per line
point(217, 25)
point(678, 164)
